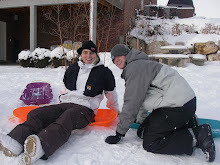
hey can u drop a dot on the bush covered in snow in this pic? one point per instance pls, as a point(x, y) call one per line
point(25, 58)
point(41, 53)
point(24, 55)
point(59, 54)
point(41, 57)
point(72, 56)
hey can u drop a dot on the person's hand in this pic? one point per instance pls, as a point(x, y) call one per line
point(114, 139)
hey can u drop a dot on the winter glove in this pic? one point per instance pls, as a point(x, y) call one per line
point(114, 139)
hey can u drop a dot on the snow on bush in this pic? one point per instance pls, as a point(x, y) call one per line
point(59, 52)
point(41, 57)
point(25, 58)
point(41, 53)
point(71, 54)
point(24, 55)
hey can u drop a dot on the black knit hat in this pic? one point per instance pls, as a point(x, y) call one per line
point(119, 50)
point(87, 45)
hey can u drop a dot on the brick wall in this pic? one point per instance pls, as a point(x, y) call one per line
point(185, 13)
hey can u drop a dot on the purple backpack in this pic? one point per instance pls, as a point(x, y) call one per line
point(37, 93)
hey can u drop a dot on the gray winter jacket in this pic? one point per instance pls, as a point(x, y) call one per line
point(150, 85)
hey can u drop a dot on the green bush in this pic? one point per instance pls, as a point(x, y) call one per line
point(42, 63)
point(56, 62)
point(26, 63)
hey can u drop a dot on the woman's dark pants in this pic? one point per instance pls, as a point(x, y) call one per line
point(53, 124)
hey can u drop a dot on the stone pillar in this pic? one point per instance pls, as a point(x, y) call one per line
point(142, 5)
point(93, 19)
point(33, 27)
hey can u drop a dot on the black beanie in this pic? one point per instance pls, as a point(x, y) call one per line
point(87, 45)
point(119, 50)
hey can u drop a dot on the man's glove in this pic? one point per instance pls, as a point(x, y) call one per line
point(114, 139)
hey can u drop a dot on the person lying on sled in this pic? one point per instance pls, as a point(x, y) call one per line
point(171, 127)
point(49, 127)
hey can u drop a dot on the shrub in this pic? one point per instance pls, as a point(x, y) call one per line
point(25, 58)
point(58, 56)
point(41, 57)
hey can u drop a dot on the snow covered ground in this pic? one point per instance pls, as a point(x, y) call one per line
point(87, 146)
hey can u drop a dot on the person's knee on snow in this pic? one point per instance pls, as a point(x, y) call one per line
point(148, 146)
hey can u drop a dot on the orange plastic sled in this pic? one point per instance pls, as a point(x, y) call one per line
point(22, 112)
point(104, 117)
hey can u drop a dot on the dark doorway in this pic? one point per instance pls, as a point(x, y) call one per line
point(17, 30)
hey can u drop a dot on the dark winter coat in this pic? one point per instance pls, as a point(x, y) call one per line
point(93, 82)
point(100, 79)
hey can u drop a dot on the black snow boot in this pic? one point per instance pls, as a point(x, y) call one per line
point(203, 134)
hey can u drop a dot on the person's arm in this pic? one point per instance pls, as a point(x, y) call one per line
point(70, 76)
point(138, 77)
point(110, 90)
point(112, 100)
point(137, 82)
